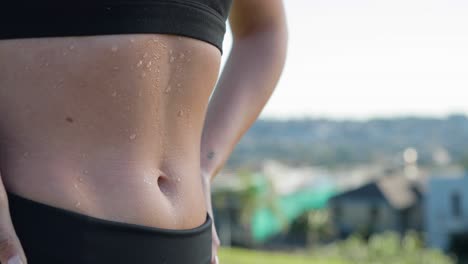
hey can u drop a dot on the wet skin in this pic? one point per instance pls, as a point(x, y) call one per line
point(108, 126)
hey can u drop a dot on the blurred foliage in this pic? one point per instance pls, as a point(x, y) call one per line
point(248, 197)
point(319, 225)
point(258, 193)
point(334, 143)
point(385, 248)
point(464, 162)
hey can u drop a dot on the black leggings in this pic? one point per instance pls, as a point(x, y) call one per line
point(51, 235)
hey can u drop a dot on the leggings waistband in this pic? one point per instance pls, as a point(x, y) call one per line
point(53, 235)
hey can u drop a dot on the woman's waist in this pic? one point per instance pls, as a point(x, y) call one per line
point(84, 239)
point(164, 197)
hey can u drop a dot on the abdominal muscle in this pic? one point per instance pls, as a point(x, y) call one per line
point(107, 126)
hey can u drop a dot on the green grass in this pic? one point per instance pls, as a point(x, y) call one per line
point(385, 248)
point(236, 256)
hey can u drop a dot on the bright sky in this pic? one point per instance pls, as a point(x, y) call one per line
point(365, 58)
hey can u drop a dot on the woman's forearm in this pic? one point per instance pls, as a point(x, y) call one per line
point(247, 82)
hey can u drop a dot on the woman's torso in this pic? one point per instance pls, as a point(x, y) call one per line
point(108, 126)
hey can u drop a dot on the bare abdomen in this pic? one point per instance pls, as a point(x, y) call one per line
point(108, 126)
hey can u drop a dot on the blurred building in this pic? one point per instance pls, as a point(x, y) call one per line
point(447, 211)
point(389, 203)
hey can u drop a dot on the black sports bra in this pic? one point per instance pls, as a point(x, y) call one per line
point(201, 19)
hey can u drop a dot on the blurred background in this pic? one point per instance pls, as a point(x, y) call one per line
point(361, 155)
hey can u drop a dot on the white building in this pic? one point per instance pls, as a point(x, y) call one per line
point(446, 209)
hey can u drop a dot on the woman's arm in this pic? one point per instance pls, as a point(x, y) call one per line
point(248, 80)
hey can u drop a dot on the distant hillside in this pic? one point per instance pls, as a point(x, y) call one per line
point(330, 143)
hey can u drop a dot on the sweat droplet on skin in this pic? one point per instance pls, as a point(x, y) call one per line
point(132, 136)
point(139, 63)
point(148, 65)
point(168, 89)
point(181, 56)
point(172, 59)
point(114, 94)
point(72, 47)
point(180, 113)
point(77, 204)
point(114, 48)
point(146, 180)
